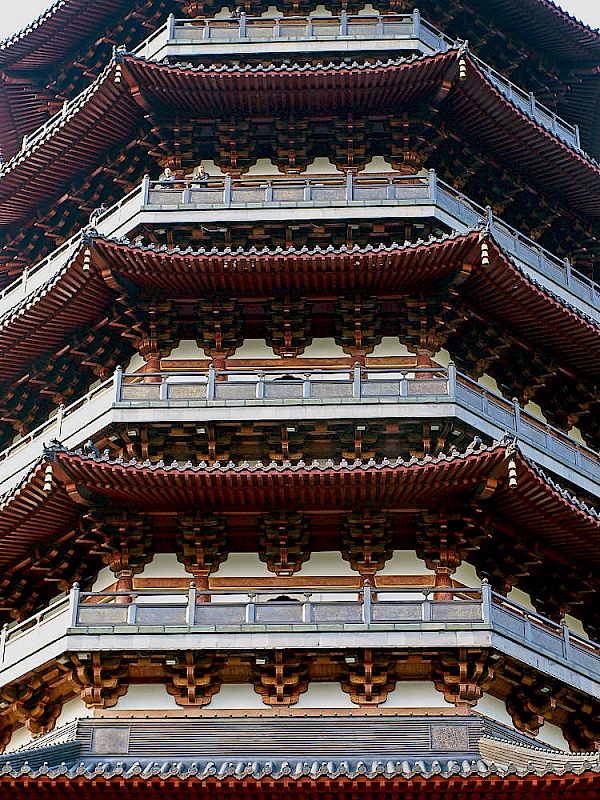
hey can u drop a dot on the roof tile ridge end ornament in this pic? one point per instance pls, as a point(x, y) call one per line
point(486, 236)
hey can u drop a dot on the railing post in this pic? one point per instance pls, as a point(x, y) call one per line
point(486, 601)
point(190, 612)
point(532, 103)
point(59, 420)
point(426, 609)
point(132, 609)
point(163, 389)
point(349, 186)
point(517, 410)
point(251, 609)
point(307, 615)
point(356, 383)
point(260, 386)
point(3, 637)
point(344, 23)
point(490, 217)
point(118, 380)
point(367, 602)
point(74, 605)
point(566, 639)
point(171, 26)
point(227, 190)
point(452, 379)
point(306, 386)
point(403, 384)
point(577, 139)
point(527, 627)
point(210, 389)
point(416, 21)
point(242, 25)
point(145, 190)
point(568, 271)
point(432, 186)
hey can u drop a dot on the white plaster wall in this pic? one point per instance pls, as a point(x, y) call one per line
point(442, 357)
point(467, 575)
point(377, 164)
point(135, 362)
point(73, 709)
point(146, 697)
point(416, 694)
point(213, 169)
point(522, 598)
point(368, 9)
point(575, 434)
point(272, 11)
point(405, 562)
point(535, 411)
point(552, 734)
point(321, 11)
point(324, 695)
point(264, 166)
point(576, 626)
point(390, 346)
point(104, 579)
point(254, 348)
point(494, 708)
point(324, 348)
point(20, 738)
point(236, 696)
point(243, 565)
point(322, 166)
point(326, 564)
point(489, 383)
point(164, 565)
point(187, 349)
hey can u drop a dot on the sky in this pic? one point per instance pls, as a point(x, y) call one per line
point(18, 15)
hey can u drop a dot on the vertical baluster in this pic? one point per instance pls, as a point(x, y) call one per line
point(452, 379)
point(307, 609)
point(145, 190)
point(59, 420)
point(3, 638)
point(74, 605)
point(432, 186)
point(566, 639)
point(367, 603)
point(118, 382)
point(190, 611)
point(344, 23)
point(260, 386)
point(517, 413)
point(486, 601)
point(426, 608)
point(132, 610)
point(163, 392)
point(349, 187)
point(171, 27)
point(356, 383)
point(210, 389)
point(243, 25)
point(251, 609)
point(227, 190)
point(306, 386)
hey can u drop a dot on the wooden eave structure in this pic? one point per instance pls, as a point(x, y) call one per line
point(245, 780)
point(130, 87)
point(74, 298)
point(550, 514)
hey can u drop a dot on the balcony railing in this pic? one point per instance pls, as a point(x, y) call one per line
point(372, 195)
point(210, 394)
point(300, 36)
point(269, 34)
point(426, 616)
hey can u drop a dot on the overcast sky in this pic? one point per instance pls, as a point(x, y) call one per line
point(20, 14)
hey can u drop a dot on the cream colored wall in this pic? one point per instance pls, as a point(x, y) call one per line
point(135, 362)
point(522, 598)
point(164, 565)
point(187, 349)
point(146, 697)
point(377, 164)
point(575, 434)
point(405, 562)
point(467, 575)
point(327, 563)
point(254, 348)
point(19, 739)
point(324, 348)
point(552, 735)
point(264, 166)
point(324, 695)
point(105, 578)
point(322, 166)
point(494, 708)
point(415, 694)
point(390, 346)
point(535, 411)
point(73, 709)
point(236, 696)
point(489, 383)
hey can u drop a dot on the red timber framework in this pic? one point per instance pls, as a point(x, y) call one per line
point(298, 495)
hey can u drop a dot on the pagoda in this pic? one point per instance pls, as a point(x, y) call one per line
point(300, 366)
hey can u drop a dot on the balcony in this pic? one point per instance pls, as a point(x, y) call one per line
point(322, 197)
point(163, 619)
point(280, 394)
point(300, 37)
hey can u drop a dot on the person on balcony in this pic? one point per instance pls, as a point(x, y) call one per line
point(167, 176)
point(96, 214)
point(199, 175)
point(236, 13)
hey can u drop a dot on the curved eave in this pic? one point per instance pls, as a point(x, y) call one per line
point(105, 117)
point(244, 780)
point(59, 30)
point(550, 29)
point(500, 290)
point(536, 505)
point(108, 115)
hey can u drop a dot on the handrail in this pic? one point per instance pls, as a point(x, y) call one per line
point(462, 211)
point(368, 606)
point(405, 384)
